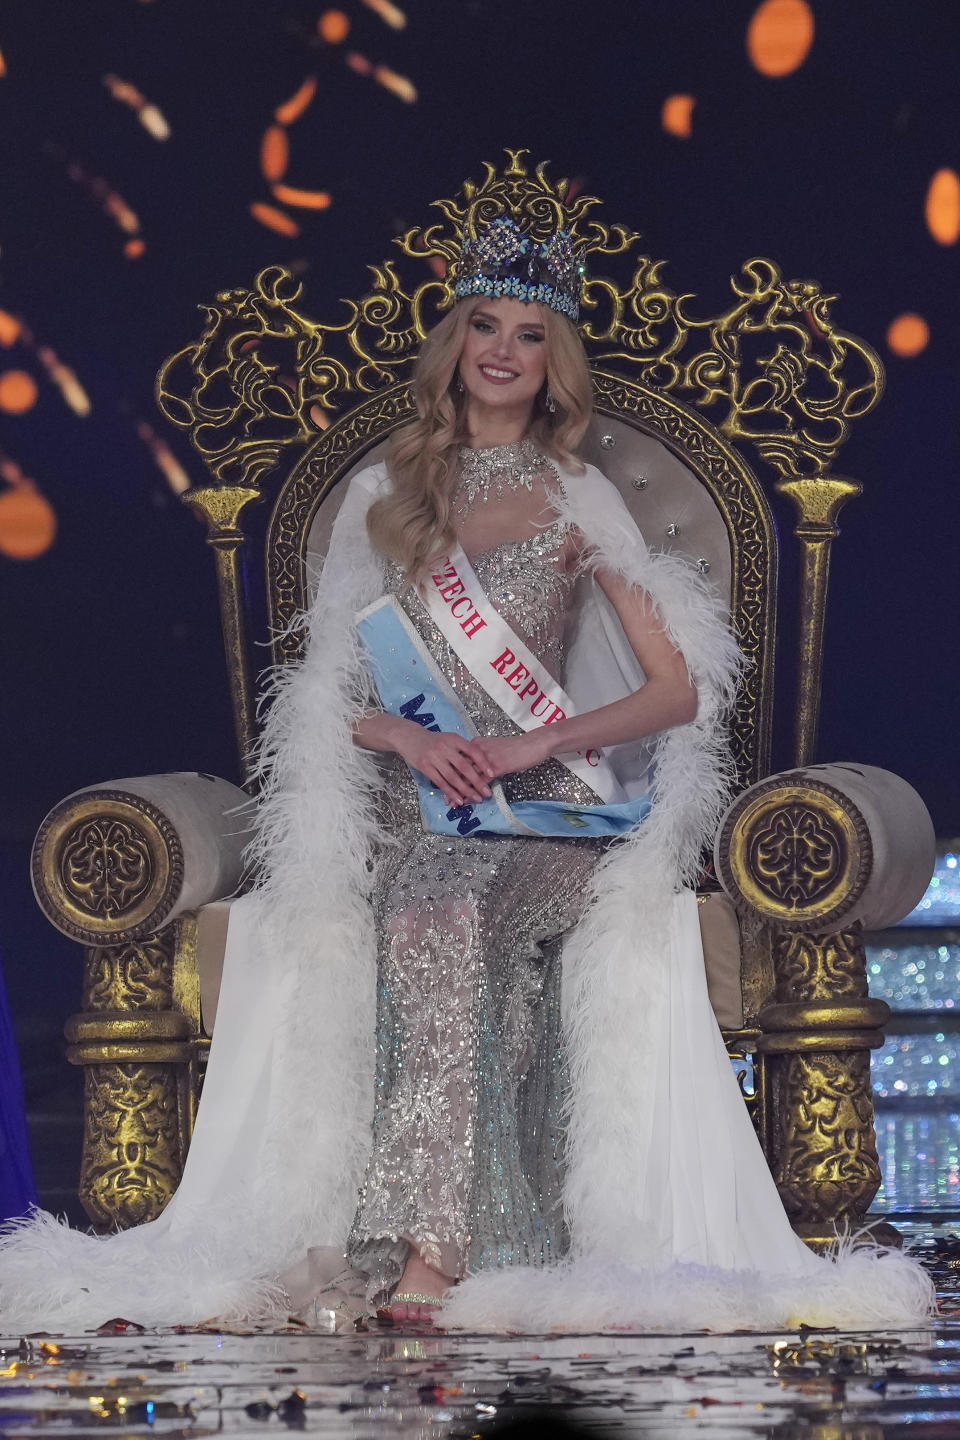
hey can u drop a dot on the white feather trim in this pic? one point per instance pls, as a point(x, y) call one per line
point(864, 1288)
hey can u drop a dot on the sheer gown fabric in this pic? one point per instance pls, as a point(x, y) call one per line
point(468, 1136)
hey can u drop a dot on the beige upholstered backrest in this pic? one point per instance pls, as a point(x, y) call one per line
point(670, 504)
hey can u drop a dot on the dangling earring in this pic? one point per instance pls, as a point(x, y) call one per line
point(549, 402)
point(459, 385)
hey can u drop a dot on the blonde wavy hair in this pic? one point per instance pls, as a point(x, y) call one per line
point(412, 523)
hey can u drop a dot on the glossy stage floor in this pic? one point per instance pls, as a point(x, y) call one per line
point(807, 1385)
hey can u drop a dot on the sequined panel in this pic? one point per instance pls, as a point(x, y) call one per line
point(916, 976)
point(916, 1073)
point(941, 903)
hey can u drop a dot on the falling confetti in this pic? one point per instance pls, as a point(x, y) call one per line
point(109, 199)
point(18, 392)
point(305, 199)
point(150, 116)
point(293, 108)
point(3, 64)
point(676, 117)
point(400, 86)
point(28, 525)
point(942, 209)
point(19, 388)
point(389, 13)
point(274, 219)
point(779, 36)
point(333, 26)
point(65, 380)
point(10, 329)
point(274, 161)
point(908, 334)
point(274, 153)
point(164, 458)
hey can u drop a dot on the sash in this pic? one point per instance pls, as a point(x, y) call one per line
point(409, 684)
point(516, 681)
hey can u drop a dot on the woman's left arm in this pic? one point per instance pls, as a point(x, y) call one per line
point(668, 698)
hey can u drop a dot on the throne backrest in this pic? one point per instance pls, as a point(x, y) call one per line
point(284, 408)
point(668, 501)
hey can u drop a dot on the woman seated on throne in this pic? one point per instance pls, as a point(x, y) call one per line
point(465, 1069)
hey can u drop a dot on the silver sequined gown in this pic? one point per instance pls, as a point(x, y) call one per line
point(467, 1141)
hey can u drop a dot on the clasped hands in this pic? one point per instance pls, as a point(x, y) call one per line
point(463, 769)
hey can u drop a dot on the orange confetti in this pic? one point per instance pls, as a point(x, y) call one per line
point(134, 248)
point(359, 63)
point(27, 522)
point(676, 117)
point(9, 329)
point(65, 380)
point(293, 108)
point(779, 36)
point(399, 85)
point(113, 203)
point(305, 199)
point(150, 116)
point(3, 64)
point(908, 334)
point(274, 219)
point(18, 392)
point(942, 208)
point(389, 13)
point(119, 210)
point(333, 26)
point(176, 477)
point(274, 153)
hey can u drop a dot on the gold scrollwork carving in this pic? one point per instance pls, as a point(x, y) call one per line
point(130, 977)
point(826, 1167)
point(132, 1156)
point(796, 851)
point(820, 967)
point(779, 373)
point(107, 867)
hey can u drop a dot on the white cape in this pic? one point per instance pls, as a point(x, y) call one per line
point(674, 1218)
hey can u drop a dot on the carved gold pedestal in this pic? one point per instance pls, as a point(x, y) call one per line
point(817, 1038)
point(140, 1057)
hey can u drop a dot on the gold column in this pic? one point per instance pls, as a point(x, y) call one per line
point(818, 502)
point(796, 854)
point(221, 507)
point(817, 1040)
point(139, 1062)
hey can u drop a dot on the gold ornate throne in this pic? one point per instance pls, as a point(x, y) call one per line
point(700, 421)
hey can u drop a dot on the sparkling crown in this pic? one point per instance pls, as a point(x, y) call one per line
point(503, 260)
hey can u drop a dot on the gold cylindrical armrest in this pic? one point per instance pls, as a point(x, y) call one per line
point(827, 847)
point(116, 863)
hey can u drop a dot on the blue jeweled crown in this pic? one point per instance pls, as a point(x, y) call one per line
point(502, 260)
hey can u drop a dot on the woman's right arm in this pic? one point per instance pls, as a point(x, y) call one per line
point(447, 760)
